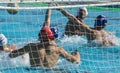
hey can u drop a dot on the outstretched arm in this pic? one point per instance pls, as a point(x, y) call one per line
point(85, 27)
point(9, 48)
point(74, 57)
point(47, 17)
point(20, 51)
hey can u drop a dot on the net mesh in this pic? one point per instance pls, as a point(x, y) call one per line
point(23, 28)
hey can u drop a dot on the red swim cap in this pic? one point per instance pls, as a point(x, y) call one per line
point(48, 32)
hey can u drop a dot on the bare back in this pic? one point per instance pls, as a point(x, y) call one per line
point(46, 57)
point(100, 36)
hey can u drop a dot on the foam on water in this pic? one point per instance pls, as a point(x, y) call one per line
point(66, 42)
point(23, 61)
point(72, 41)
point(64, 64)
point(18, 62)
point(115, 39)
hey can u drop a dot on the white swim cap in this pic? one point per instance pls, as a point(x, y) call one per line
point(84, 8)
point(3, 40)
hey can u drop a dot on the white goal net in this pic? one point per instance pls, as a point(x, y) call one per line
point(21, 24)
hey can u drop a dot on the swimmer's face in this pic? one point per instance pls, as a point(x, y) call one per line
point(81, 14)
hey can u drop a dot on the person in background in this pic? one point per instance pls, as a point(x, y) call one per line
point(97, 33)
point(46, 53)
point(3, 46)
point(71, 27)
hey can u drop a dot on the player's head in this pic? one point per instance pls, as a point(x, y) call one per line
point(47, 33)
point(82, 12)
point(100, 21)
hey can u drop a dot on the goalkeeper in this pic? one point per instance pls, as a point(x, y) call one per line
point(46, 53)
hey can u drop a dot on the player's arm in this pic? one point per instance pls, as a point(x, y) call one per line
point(47, 17)
point(20, 51)
point(9, 48)
point(74, 57)
point(84, 27)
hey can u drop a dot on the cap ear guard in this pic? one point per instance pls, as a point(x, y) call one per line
point(104, 21)
point(55, 32)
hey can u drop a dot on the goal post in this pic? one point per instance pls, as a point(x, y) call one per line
point(63, 1)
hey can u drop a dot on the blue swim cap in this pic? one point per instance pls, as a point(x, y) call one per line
point(54, 31)
point(100, 20)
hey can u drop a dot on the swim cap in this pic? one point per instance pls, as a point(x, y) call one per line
point(3, 40)
point(51, 32)
point(48, 32)
point(84, 8)
point(55, 32)
point(100, 20)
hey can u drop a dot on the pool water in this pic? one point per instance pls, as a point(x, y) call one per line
point(23, 28)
